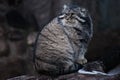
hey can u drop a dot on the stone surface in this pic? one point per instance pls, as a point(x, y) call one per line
point(74, 76)
point(112, 75)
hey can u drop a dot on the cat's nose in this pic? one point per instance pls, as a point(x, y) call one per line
point(71, 14)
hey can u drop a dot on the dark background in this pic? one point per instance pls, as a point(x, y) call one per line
point(20, 21)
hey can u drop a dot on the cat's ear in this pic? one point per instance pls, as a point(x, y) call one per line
point(65, 8)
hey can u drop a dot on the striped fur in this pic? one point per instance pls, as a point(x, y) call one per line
point(61, 45)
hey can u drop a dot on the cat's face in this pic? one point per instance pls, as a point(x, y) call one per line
point(72, 15)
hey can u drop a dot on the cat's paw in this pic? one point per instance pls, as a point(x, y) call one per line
point(82, 61)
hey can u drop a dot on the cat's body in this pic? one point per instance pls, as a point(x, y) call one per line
point(62, 44)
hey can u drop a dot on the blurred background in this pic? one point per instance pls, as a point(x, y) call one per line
point(20, 20)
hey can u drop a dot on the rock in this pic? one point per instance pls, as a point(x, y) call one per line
point(112, 75)
point(95, 65)
point(74, 76)
point(24, 77)
point(11, 66)
point(31, 38)
point(115, 71)
point(4, 50)
point(78, 76)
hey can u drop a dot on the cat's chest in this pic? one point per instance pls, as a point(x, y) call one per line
point(72, 33)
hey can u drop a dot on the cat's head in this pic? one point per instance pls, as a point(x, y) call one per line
point(74, 9)
point(73, 14)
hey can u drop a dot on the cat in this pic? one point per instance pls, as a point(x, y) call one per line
point(61, 45)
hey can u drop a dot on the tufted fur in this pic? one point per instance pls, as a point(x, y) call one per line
point(62, 44)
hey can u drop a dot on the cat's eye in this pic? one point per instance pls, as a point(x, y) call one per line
point(67, 13)
point(83, 10)
point(77, 9)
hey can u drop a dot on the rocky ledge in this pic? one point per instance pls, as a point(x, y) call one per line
point(95, 72)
